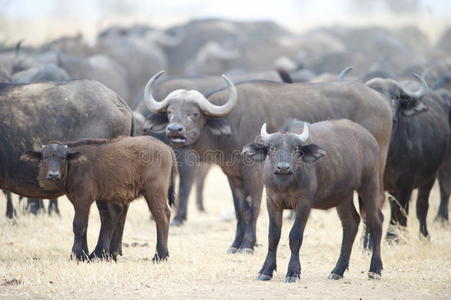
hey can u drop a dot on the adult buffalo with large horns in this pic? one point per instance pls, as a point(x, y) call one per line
point(219, 124)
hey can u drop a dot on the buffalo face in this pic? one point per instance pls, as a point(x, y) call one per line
point(404, 101)
point(184, 114)
point(52, 160)
point(283, 151)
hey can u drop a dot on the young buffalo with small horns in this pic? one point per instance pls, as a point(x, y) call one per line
point(319, 168)
point(110, 171)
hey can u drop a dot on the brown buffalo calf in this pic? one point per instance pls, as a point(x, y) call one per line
point(320, 168)
point(119, 171)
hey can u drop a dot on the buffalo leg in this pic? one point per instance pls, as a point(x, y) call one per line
point(162, 215)
point(444, 179)
point(248, 191)
point(200, 182)
point(350, 220)
point(116, 241)
point(109, 216)
point(370, 201)
point(239, 231)
point(53, 207)
point(187, 174)
point(296, 237)
point(400, 206)
point(253, 188)
point(275, 228)
point(80, 225)
point(423, 207)
point(367, 241)
point(10, 211)
point(34, 206)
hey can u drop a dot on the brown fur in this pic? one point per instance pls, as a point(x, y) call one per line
point(115, 171)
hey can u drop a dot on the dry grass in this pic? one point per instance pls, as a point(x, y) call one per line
point(34, 259)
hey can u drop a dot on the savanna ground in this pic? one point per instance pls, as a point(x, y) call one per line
point(34, 258)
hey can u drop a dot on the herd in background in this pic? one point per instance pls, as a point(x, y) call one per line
point(399, 92)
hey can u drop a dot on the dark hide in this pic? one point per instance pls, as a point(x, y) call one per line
point(338, 158)
point(418, 146)
point(274, 103)
point(34, 114)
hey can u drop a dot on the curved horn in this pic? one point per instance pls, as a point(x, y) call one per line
point(152, 104)
point(421, 92)
point(222, 110)
point(442, 81)
point(305, 133)
point(264, 134)
point(343, 73)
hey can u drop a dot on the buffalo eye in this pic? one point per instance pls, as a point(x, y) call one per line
point(193, 115)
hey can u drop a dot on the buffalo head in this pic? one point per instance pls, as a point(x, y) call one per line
point(183, 114)
point(52, 159)
point(282, 151)
point(404, 101)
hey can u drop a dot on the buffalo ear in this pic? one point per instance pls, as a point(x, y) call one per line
point(31, 156)
point(218, 126)
point(255, 151)
point(155, 123)
point(312, 153)
point(76, 157)
point(412, 107)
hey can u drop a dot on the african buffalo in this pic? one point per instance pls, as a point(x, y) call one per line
point(190, 172)
point(219, 124)
point(110, 171)
point(297, 177)
point(418, 146)
point(42, 73)
point(32, 114)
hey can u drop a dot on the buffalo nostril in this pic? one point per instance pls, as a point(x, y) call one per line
point(53, 176)
point(175, 128)
point(283, 166)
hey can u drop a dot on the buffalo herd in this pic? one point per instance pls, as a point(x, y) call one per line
point(102, 122)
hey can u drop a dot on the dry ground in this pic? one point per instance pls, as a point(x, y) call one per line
point(34, 260)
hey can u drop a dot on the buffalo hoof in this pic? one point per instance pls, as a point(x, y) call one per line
point(248, 251)
point(392, 239)
point(103, 257)
point(441, 220)
point(80, 257)
point(176, 222)
point(335, 276)
point(263, 277)
point(290, 279)
point(374, 276)
point(232, 250)
point(157, 259)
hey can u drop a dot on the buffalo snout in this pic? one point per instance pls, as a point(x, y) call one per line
point(175, 128)
point(53, 176)
point(283, 168)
